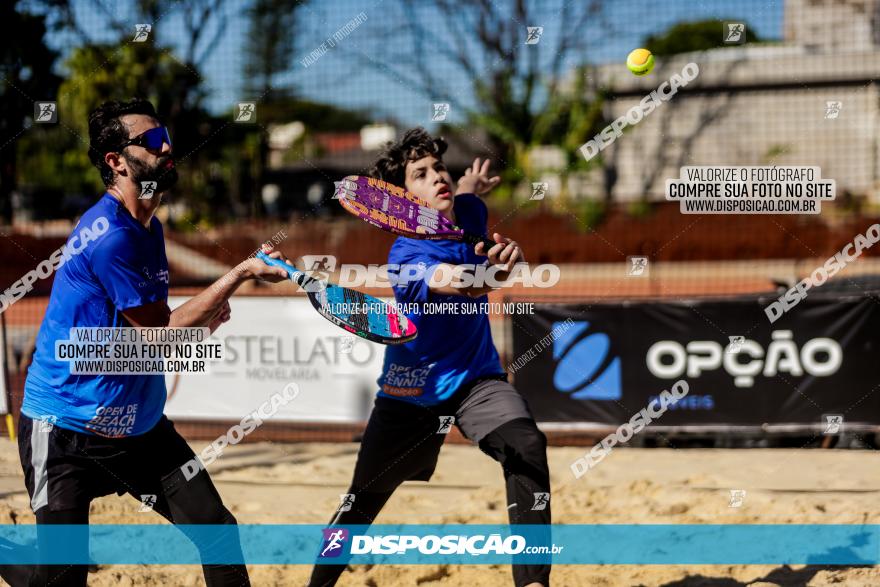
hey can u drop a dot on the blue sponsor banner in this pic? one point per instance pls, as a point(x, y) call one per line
point(685, 544)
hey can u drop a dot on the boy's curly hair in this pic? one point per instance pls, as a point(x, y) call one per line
point(415, 144)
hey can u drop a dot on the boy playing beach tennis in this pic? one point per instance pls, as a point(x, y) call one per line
point(451, 370)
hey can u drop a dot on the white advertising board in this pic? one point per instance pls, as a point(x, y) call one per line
point(268, 343)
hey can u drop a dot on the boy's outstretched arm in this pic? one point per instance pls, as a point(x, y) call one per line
point(504, 255)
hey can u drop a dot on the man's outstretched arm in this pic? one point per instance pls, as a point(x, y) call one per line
point(209, 307)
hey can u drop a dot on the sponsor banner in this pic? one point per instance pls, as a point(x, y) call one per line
point(614, 359)
point(689, 544)
point(269, 343)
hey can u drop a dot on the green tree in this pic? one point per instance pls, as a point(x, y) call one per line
point(26, 67)
point(269, 47)
point(315, 115)
point(685, 37)
point(522, 91)
point(97, 71)
point(269, 51)
point(58, 158)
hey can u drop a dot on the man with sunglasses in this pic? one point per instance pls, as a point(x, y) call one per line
point(86, 436)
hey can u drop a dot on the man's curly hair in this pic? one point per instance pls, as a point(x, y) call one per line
point(415, 144)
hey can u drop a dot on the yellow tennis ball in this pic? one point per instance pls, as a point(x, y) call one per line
point(640, 61)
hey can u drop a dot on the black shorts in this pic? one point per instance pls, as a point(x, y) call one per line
point(64, 469)
point(402, 440)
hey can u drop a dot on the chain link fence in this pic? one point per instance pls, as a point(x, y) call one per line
point(269, 102)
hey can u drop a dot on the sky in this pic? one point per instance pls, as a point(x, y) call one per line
point(337, 77)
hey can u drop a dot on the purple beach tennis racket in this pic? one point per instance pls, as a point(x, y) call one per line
point(396, 210)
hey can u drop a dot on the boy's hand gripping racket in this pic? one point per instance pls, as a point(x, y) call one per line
point(396, 210)
point(349, 309)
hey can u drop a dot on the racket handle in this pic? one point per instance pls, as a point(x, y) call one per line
point(295, 274)
point(473, 239)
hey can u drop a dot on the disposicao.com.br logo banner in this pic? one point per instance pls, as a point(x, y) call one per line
point(575, 544)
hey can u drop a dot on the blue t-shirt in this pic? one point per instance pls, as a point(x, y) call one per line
point(454, 347)
point(113, 263)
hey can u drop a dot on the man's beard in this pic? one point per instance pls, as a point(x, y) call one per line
point(165, 177)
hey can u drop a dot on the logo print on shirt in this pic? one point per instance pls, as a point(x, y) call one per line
point(160, 276)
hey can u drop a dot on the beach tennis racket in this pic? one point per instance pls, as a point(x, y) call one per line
point(358, 313)
point(396, 210)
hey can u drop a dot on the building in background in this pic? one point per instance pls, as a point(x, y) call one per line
point(812, 99)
